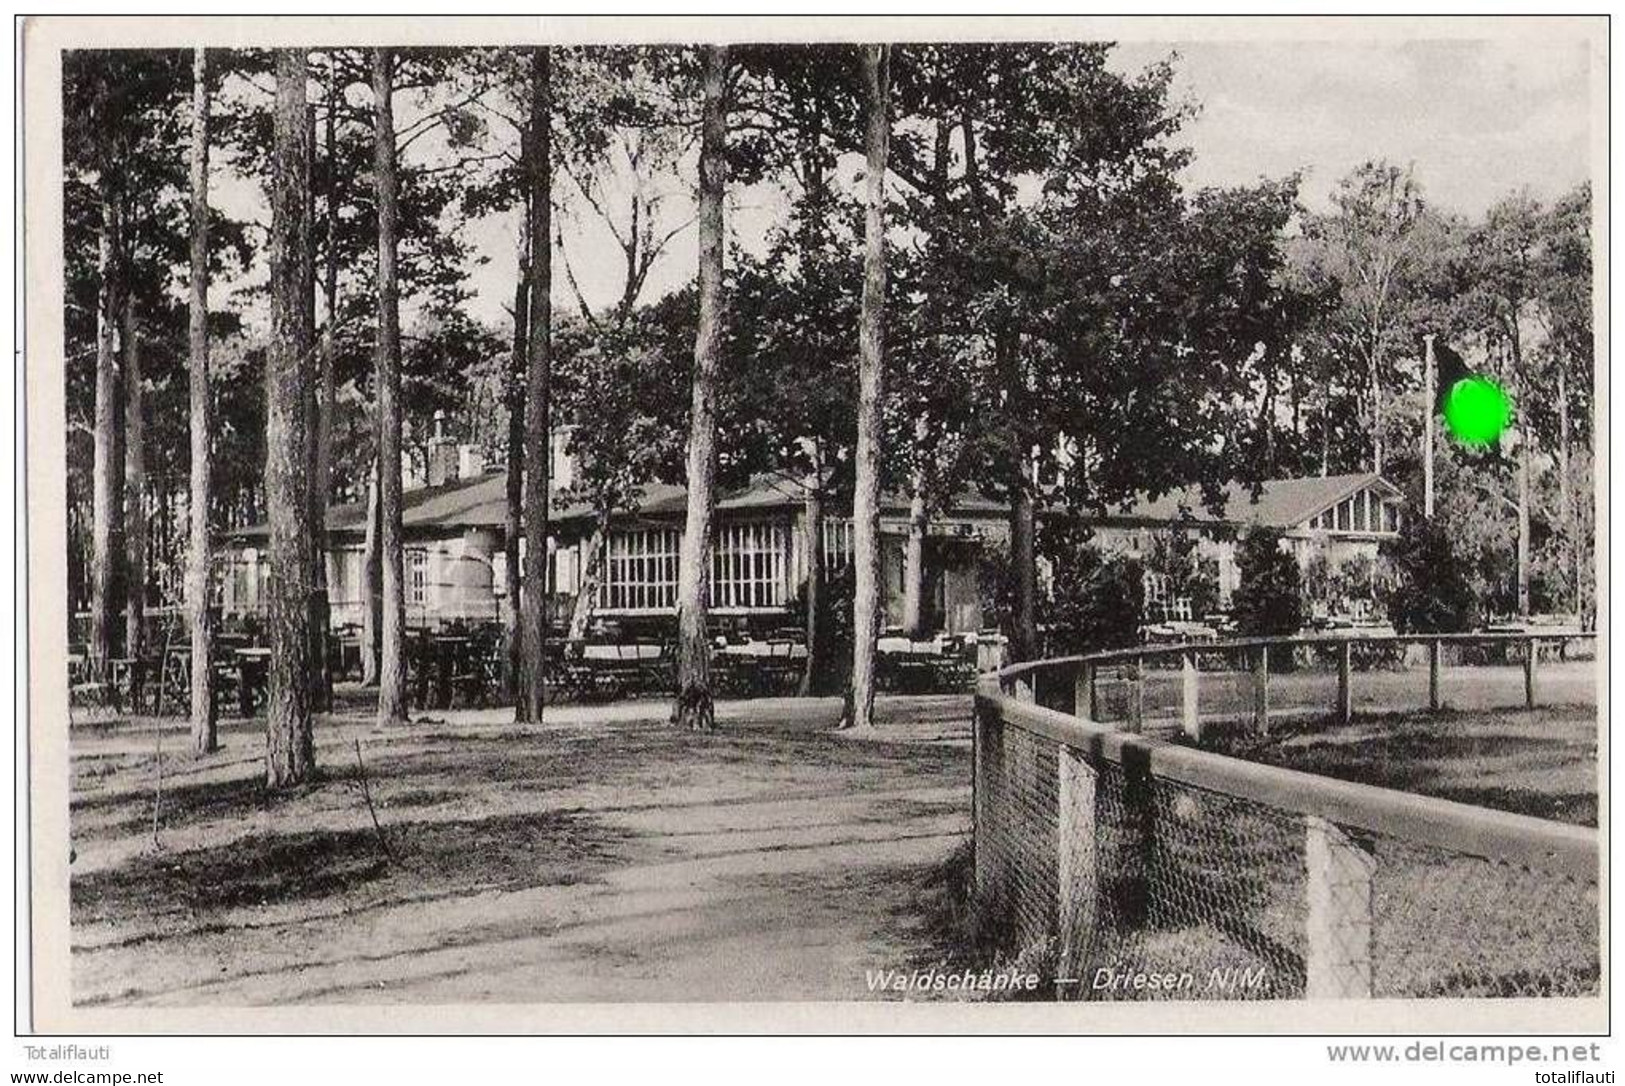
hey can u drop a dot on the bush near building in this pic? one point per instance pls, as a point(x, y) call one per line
point(1268, 599)
point(1430, 591)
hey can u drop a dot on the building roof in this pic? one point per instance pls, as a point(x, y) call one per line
point(481, 502)
point(1279, 503)
point(477, 502)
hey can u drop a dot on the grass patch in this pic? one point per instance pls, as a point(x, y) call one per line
point(308, 866)
point(1538, 762)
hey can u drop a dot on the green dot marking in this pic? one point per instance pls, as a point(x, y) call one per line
point(1477, 410)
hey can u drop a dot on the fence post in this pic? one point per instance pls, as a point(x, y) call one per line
point(1190, 681)
point(1338, 965)
point(1136, 696)
point(1261, 691)
point(1345, 691)
point(1083, 692)
point(1435, 653)
point(1078, 871)
point(1531, 657)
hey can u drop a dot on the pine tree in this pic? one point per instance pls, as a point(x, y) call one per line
point(290, 744)
point(392, 654)
point(197, 566)
point(871, 393)
point(694, 708)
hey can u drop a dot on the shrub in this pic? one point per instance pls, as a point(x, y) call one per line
point(1268, 598)
point(1430, 591)
point(834, 650)
point(1094, 599)
point(1190, 575)
point(995, 583)
point(1097, 600)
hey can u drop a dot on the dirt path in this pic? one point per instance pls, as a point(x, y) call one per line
point(596, 857)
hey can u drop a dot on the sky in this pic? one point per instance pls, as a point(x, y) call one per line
point(1477, 119)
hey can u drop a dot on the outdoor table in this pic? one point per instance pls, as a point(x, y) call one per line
point(253, 671)
point(612, 666)
point(765, 667)
point(786, 650)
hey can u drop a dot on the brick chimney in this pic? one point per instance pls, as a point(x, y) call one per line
point(442, 453)
point(561, 471)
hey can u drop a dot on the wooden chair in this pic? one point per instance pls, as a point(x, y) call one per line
point(477, 670)
point(88, 684)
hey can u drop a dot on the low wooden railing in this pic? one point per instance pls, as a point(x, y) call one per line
point(1100, 843)
point(1085, 669)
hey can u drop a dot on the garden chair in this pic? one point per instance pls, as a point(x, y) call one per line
point(87, 683)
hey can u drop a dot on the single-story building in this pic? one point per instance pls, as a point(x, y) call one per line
point(455, 564)
point(1340, 516)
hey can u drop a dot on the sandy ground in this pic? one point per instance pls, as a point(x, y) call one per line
point(597, 856)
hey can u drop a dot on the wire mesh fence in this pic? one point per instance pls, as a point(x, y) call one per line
point(1132, 869)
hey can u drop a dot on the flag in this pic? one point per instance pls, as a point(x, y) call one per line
point(1451, 370)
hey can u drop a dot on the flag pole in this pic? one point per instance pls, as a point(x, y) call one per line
point(1428, 368)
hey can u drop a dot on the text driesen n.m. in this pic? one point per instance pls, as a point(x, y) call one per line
point(1130, 980)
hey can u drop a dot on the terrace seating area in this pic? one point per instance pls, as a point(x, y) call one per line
point(462, 664)
point(158, 682)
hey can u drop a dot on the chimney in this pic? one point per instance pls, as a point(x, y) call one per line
point(470, 461)
point(442, 453)
point(562, 466)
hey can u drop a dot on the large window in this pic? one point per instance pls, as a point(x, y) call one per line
point(837, 543)
point(747, 569)
point(641, 573)
point(748, 565)
point(417, 578)
point(1367, 511)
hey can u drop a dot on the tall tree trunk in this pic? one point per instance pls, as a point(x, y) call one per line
point(813, 514)
point(871, 392)
point(372, 582)
point(1297, 417)
point(327, 389)
point(1024, 563)
point(1525, 438)
point(538, 388)
point(330, 306)
point(1376, 410)
point(1523, 520)
point(515, 484)
point(1565, 484)
point(204, 739)
point(592, 571)
point(1326, 434)
point(321, 681)
point(135, 486)
point(290, 754)
point(694, 708)
point(106, 516)
point(392, 654)
point(914, 546)
point(1023, 515)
